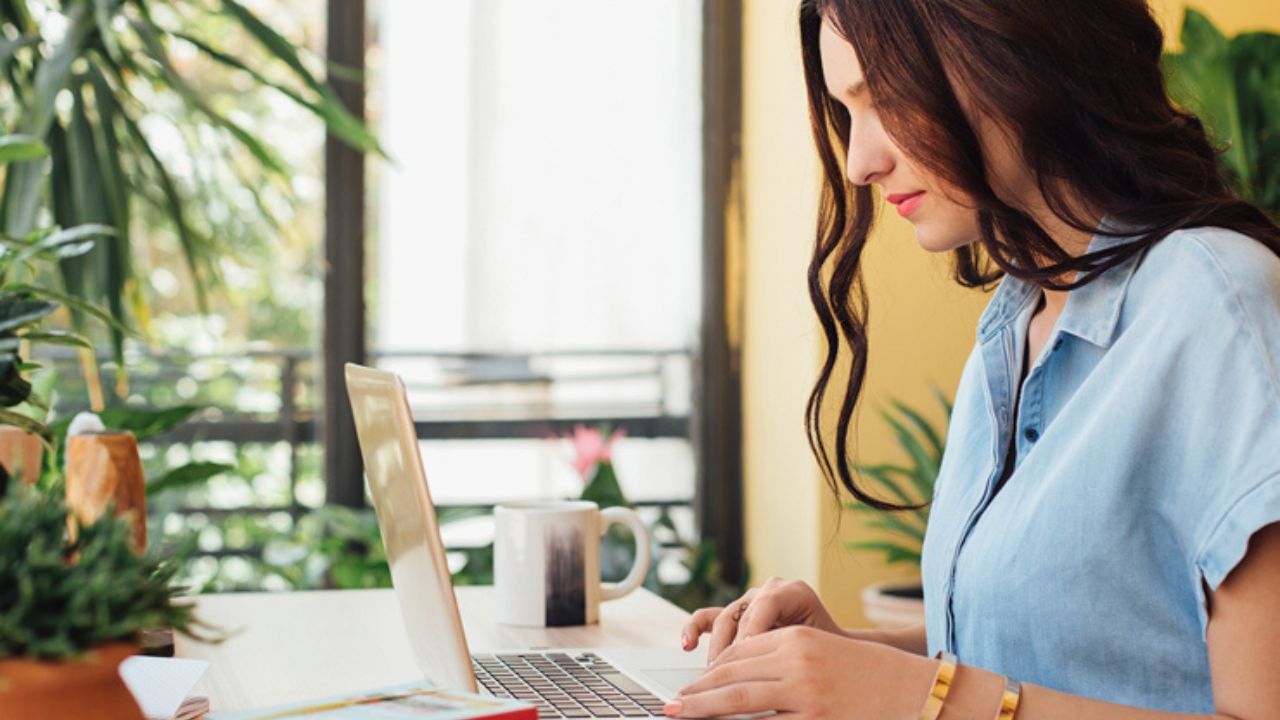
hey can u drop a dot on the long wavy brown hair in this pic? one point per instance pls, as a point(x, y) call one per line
point(1078, 84)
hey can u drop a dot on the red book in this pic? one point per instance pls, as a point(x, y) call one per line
point(398, 702)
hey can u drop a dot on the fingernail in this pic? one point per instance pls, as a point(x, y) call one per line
point(684, 641)
point(672, 708)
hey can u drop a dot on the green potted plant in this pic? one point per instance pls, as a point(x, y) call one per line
point(72, 609)
point(1233, 85)
point(901, 533)
point(25, 304)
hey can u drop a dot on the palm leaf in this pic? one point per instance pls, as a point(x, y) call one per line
point(16, 148)
point(340, 121)
point(22, 422)
point(894, 553)
point(75, 304)
point(910, 485)
point(922, 426)
point(24, 180)
point(926, 465)
point(146, 424)
point(888, 522)
point(187, 476)
point(943, 400)
point(276, 44)
point(63, 243)
point(884, 474)
point(58, 337)
point(173, 205)
point(16, 314)
point(171, 77)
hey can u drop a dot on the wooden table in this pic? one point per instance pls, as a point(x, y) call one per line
point(288, 647)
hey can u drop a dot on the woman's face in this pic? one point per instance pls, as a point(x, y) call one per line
point(941, 218)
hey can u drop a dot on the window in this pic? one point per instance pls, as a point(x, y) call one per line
point(538, 245)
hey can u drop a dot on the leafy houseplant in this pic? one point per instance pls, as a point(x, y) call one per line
point(25, 304)
point(71, 609)
point(1233, 84)
point(902, 533)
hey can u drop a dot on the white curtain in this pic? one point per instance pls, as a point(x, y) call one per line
point(545, 192)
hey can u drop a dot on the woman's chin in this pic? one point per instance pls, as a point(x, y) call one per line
point(935, 243)
point(937, 240)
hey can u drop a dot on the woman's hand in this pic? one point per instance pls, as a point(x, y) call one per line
point(812, 674)
point(776, 604)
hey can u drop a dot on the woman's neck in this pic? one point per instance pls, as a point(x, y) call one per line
point(1071, 240)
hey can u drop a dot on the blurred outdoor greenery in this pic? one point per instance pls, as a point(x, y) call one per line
point(195, 129)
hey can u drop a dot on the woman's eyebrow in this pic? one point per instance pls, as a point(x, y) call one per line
point(854, 89)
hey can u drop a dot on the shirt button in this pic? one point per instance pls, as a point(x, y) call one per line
point(1057, 343)
point(1030, 434)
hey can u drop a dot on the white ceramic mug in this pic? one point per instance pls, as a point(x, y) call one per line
point(547, 561)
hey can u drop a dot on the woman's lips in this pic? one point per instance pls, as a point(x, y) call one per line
point(906, 202)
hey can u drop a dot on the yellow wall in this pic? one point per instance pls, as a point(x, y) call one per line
point(779, 336)
point(922, 324)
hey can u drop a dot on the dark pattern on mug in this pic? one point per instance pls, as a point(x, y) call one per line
point(566, 590)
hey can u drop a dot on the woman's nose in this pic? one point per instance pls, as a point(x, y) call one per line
point(870, 156)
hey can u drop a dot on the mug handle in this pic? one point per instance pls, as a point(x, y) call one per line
point(626, 516)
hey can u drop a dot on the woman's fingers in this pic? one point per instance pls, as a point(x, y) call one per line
point(746, 668)
point(760, 617)
point(758, 645)
point(758, 611)
point(725, 627)
point(699, 622)
point(737, 699)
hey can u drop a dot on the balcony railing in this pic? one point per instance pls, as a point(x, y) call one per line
point(271, 398)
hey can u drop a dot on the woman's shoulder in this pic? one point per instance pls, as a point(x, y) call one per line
point(1216, 264)
point(1213, 293)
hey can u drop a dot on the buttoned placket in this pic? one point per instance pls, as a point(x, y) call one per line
point(1001, 364)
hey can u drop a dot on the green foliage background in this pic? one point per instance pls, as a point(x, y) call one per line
point(1233, 85)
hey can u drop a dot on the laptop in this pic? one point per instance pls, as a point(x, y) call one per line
point(561, 683)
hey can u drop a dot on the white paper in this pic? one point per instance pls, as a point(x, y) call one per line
point(161, 684)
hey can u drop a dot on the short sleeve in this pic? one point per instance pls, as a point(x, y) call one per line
point(1228, 541)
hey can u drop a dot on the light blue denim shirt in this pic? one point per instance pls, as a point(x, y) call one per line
point(1148, 452)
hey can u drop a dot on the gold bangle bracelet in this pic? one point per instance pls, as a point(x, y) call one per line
point(1009, 701)
point(941, 686)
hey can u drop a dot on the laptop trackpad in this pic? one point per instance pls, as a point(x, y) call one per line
point(669, 681)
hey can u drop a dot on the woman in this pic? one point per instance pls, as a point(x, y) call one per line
point(1104, 527)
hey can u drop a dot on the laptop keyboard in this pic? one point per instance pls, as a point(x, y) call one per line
point(565, 686)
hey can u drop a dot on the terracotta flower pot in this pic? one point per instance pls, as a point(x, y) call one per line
point(893, 604)
point(21, 453)
point(87, 687)
point(104, 468)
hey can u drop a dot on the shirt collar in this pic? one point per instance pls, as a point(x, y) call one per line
point(1092, 311)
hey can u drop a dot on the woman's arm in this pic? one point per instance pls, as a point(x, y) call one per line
point(813, 673)
point(910, 639)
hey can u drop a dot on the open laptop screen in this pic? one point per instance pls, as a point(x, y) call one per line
point(407, 519)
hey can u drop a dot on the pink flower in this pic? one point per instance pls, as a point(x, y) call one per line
point(590, 447)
